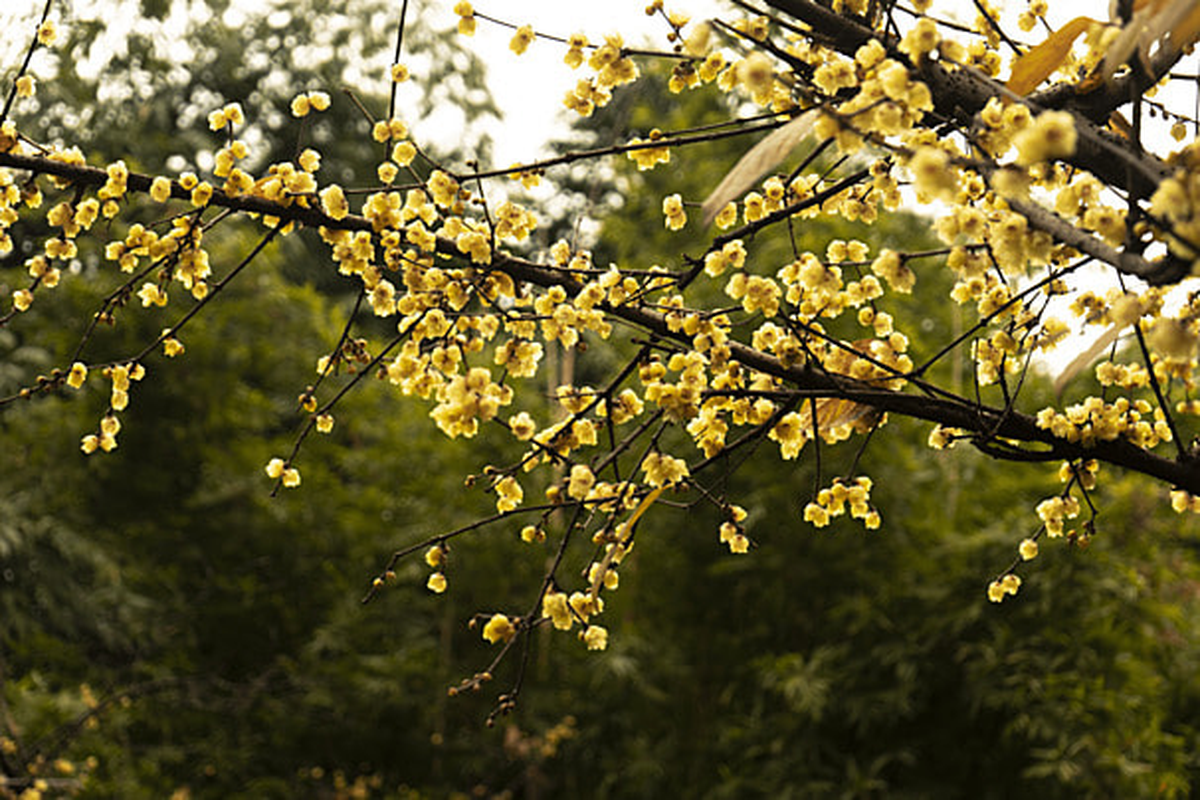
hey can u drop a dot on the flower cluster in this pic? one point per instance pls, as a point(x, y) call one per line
point(834, 501)
point(1001, 587)
point(1095, 420)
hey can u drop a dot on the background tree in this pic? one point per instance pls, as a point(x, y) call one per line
point(802, 373)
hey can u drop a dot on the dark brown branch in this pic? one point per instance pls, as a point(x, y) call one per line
point(959, 94)
point(953, 412)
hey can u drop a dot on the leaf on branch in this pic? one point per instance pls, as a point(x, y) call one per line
point(757, 161)
point(834, 413)
point(1030, 69)
point(1188, 31)
point(647, 501)
point(1079, 362)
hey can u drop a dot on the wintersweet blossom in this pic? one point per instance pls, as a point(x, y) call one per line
point(499, 629)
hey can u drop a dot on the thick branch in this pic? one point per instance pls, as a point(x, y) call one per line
point(959, 94)
point(137, 182)
point(985, 421)
point(1167, 270)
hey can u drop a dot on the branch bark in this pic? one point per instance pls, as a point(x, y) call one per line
point(959, 94)
point(986, 422)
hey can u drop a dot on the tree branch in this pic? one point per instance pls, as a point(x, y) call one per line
point(985, 421)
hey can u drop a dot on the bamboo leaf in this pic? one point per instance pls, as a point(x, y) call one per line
point(757, 161)
point(1079, 362)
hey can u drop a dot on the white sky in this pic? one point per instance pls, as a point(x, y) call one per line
point(529, 88)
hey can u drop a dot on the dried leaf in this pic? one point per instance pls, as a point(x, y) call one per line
point(833, 414)
point(1187, 31)
point(757, 161)
point(1036, 65)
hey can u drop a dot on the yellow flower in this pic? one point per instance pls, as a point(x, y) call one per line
point(732, 536)
point(305, 102)
point(47, 33)
point(499, 628)
point(932, 172)
point(399, 73)
point(275, 468)
point(387, 172)
point(78, 375)
point(834, 75)
point(160, 189)
point(466, 22)
point(791, 435)
point(201, 194)
point(817, 514)
point(172, 347)
point(151, 295)
point(581, 482)
point(672, 207)
point(1051, 135)
point(26, 86)
point(757, 73)
point(664, 470)
point(333, 202)
point(436, 583)
point(509, 494)
point(110, 425)
point(521, 41)
point(585, 605)
point(435, 556)
point(922, 38)
point(522, 426)
point(404, 152)
point(291, 478)
point(648, 158)
point(574, 57)
point(324, 423)
point(595, 637)
point(384, 130)
point(309, 160)
point(556, 609)
point(727, 216)
point(1028, 549)
point(995, 591)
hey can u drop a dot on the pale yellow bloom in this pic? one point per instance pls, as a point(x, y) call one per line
point(499, 628)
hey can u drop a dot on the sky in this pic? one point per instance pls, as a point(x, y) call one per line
point(529, 88)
